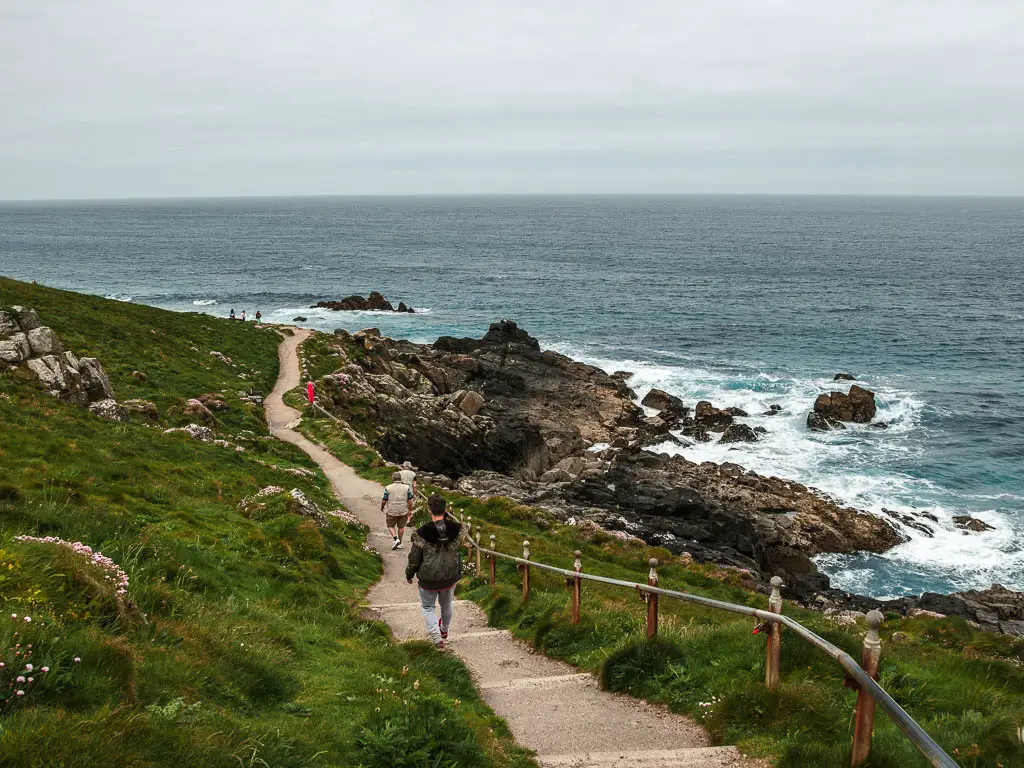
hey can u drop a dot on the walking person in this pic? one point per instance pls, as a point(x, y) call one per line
point(436, 560)
point(409, 476)
point(243, 315)
point(259, 316)
point(397, 508)
point(232, 315)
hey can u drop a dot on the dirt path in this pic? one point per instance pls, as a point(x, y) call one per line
point(549, 706)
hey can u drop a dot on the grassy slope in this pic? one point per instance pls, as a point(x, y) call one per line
point(242, 643)
point(965, 687)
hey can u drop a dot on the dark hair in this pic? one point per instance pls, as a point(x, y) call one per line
point(436, 504)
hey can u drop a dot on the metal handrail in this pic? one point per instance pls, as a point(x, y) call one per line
point(910, 728)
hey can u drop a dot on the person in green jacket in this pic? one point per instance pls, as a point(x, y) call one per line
point(436, 560)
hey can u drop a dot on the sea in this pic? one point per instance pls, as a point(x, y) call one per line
point(746, 301)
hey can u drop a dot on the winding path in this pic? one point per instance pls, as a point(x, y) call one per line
point(549, 706)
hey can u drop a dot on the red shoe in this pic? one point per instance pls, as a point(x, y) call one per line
point(444, 635)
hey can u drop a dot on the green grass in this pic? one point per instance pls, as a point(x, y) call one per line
point(240, 640)
point(965, 687)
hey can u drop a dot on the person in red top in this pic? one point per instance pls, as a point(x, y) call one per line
point(310, 391)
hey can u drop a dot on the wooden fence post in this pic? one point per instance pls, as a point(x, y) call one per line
point(490, 562)
point(774, 653)
point(526, 571)
point(865, 704)
point(577, 584)
point(478, 572)
point(652, 600)
point(469, 537)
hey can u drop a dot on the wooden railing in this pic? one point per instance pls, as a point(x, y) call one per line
point(863, 677)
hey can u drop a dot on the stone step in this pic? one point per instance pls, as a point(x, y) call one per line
point(695, 757)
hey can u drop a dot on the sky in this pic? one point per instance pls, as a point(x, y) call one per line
point(135, 98)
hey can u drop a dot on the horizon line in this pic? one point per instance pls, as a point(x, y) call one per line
point(424, 195)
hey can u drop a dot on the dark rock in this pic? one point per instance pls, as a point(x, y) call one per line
point(711, 418)
point(402, 307)
point(374, 302)
point(844, 377)
point(734, 411)
point(662, 401)
point(968, 523)
point(819, 422)
point(507, 332)
point(299, 319)
point(879, 425)
point(773, 410)
point(912, 522)
point(738, 433)
point(858, 406)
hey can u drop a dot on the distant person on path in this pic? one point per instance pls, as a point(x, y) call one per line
point(231, 316)
point(409, 476)
point(243, 315)
point(310, 391)
point(259, 316)
point(397, 507)
point(435, 559)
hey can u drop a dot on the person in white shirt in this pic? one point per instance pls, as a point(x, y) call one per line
point(397, 508)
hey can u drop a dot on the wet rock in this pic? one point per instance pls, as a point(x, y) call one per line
point(299, 319)
point(844, 377)
point(734, 411)
point(773, 410)
point(819, 422)
point(968, 523)
point(911, 521)
point(374, 302)
point(738, 433)
point(661, 400)
point(858, 406)
point(711, 418)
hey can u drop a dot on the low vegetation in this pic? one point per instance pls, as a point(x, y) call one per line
point(964, 686)
point(215, 630)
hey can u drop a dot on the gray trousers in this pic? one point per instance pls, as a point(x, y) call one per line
point(428, 600)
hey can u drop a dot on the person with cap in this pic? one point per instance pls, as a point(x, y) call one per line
point(397, 508)
point(436, 561)
point(409, 476)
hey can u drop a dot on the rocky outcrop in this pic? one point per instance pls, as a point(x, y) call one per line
point(844, 377)
point(195, 431)
point(661, 400)
point(539, 411)
point(738, 433)
point(968, 523)
point(194, 409)
point(109, 409)
point(142, 407)
point(375, 301)
point(25, 341)
point(996, 609)
point(836, 407)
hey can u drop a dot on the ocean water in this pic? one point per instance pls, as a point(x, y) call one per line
point(745, 301)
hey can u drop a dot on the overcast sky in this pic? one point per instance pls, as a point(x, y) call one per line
point(137, 98)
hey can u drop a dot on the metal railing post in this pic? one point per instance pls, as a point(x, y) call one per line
point(577, 589)
point(469, 538)
point(526, 571)
point(478, 550)
point(490, 563)
point(773, 657)
point(872, 653)
point(652, 600)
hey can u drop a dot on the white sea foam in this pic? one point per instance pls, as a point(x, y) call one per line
point(120, 297)
point(204, 302)
point(858, 466)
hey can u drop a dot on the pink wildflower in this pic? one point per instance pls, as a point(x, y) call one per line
point(28, 667)
point(14, 616)
point(19, 679)
point(27, 619)
point(77, 659)
point(45, 669)
point(31, 679)
point(21, 693)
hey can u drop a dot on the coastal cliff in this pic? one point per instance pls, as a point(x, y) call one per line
point(499, 416)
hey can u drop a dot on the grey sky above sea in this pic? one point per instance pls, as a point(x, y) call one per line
point(122, 98)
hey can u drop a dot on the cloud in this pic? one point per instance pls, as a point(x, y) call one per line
point(113, 98)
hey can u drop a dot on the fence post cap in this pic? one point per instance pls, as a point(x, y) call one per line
point(776, 582)
point(492, 537)
point(577, 553)
point(875, 619)
point(653, 562)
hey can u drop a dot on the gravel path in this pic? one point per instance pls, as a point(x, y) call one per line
point(549, 706)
